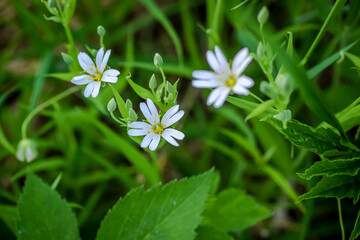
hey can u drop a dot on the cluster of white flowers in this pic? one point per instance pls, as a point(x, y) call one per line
point(224, 79)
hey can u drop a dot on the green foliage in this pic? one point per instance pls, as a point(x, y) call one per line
point(156, 213)
point(233, 210)
point(43, 214)
point(211, 233)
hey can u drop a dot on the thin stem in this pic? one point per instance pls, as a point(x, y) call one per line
point(256, 97)
point(341, 220)
point(164, 80)
point(118, 120)
point(102, 42)
point(49, 102)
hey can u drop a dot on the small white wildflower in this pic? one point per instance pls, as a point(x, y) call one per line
point(157, 126)
point(225, 78)
point(95, 74)
point(26, 150)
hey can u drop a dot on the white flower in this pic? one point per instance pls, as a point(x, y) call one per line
point(224, 78)
point(157, 126)
point(95, 74)
point(26, 150)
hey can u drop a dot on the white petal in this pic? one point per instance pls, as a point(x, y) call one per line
point(111, 72)
point(169, 139)
point(239, 58)
point(81, 80)
point(140, 125)
point(86, 63)
point(110, 79)
point(204, 83)
point(96, 89)
point(214, 95)
point(105, 60)
point(240, 69)
point(221, 99)
point(89, 88)
point(238, 89)
point(203, 74)
point(147, 139)
point(155, 142)
point(221, 59)
point(174, 133)
point(245, 81)
point(99, 57)
point(170, 113)
point(177, 116)
point(213, 62)
point(154, 112)
point(137, 132)
point(145, 110)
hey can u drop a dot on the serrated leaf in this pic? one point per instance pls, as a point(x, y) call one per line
point(164, 212)
point(319, 140)
point(340, 186)
point(211, 233)
point(43, 214)
point(233, 210)
point(332, 167)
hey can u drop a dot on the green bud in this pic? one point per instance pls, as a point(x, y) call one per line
point(26, 150)
point(101, 31)
point(128, 104)
point(67, 58)
point(260, 51)
point(284, 117)
point(132, 115)
point(158, 61)
point(263, 15)
point(170, 88)
point(111, 106)
point(159, 92)
point(51, 3)
point(152, 82)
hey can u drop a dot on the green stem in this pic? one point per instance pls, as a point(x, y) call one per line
point(256, 97)
point(102, 42)
point(117, 120)
point(164, 81)
point(49, 102)
point(341, 220)
point(338, 4)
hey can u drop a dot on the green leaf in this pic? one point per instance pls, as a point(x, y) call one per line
point(164, 212)
point(61, 76)
point(211, 233)
point(248, 106)
point(356, 231)
point(9, 214)
point(233, 210)
point(69, 10)
point(340, 186)
point(333, 167)
point(120, 102)
point(260, 109)
point(320, 140)
point(43, 214)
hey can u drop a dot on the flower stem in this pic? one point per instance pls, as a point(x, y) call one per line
point(118, 120)
point(49, 102)
point(164, 80)
point(341, 220)
point(256, 97)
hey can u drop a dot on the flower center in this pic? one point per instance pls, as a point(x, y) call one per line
point(97, 77)
point(158, 129)
point(230, 82)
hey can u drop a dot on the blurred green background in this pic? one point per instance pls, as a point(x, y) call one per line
point(78, 138)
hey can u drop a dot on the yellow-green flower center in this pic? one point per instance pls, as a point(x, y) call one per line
point(158, 129)
point(97, 77)
point(230, 82)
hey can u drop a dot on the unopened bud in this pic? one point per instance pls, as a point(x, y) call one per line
point(111, 106)
point(158, 61)
point(128, 104)
point(51, 3)
point(101, 31)
point(26, 150)
point(263, 15)
point(152, 82)
point(67, 58)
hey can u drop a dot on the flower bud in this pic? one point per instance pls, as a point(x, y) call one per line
point(101, 31)
point(132, 115)
point(111, 106)
point(26, 150)
point(158, 61)
point(51, 3)
point(67, 58)
point(263, 15)
point(128, 104)
point(152, 82)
